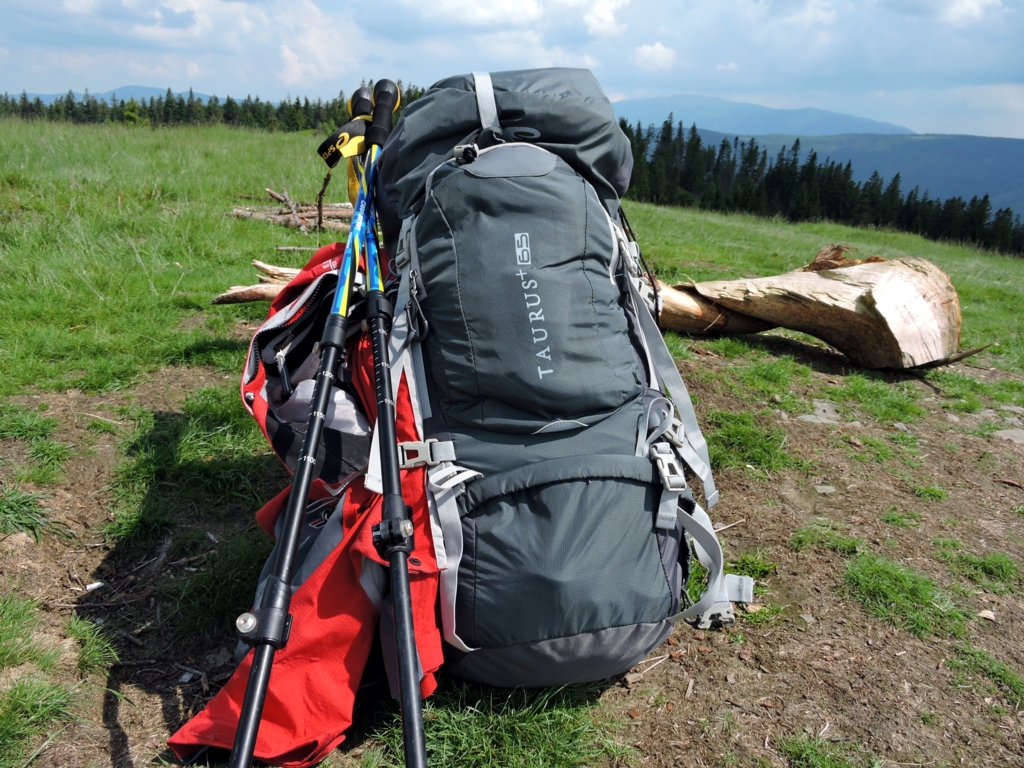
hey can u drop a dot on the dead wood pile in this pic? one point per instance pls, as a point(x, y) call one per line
point(303, 216)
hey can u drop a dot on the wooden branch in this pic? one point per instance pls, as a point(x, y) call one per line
point(239, 294)
point(295, 213)
point(685, 311)
point(320, 202)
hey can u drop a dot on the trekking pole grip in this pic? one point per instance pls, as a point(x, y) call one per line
point(386, 99)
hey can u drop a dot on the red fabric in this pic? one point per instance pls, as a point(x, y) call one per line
point(315, 676)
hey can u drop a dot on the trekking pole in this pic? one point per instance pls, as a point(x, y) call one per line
point(393, 536)
point(266, 628)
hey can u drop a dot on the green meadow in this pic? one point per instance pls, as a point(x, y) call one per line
point(113, 240)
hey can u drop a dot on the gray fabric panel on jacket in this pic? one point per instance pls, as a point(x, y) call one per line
point(582, 658)
point(573, 556)
point(566, 107)
point(532, 329)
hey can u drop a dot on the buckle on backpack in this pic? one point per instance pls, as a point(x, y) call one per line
point(417, 454)
point(676, 433)
point(672, 477)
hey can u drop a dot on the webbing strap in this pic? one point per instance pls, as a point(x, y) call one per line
point(709, 553)
point(670, 379)
point(445, 493)
point(485, 101)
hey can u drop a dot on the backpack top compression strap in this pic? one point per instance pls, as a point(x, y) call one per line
point(485, 102)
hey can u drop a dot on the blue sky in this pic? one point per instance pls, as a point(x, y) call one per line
point(944, 66)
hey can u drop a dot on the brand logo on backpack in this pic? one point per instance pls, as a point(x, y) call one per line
point(533, 307)
point(523, 249)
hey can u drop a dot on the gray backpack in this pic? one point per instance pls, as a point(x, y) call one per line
point(553, 421)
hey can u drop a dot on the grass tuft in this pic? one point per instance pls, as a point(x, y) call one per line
point(995, 571)
point(22, 424)
point(472, 725)
point(756, 565)
point(974, 661)
point(19, 618)
point(21, 511)
point(897, 518)
point(823, 534)
point(930, 493)
point(902, 597)
point(27, 709)
point(735, 441)
point(814, 752)
point(95, 651)
point(886, 402)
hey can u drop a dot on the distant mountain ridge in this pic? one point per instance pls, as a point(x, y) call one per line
point(740, 118)
point(137, 92)
point(943, 165)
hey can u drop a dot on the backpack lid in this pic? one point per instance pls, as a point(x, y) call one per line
point(562, 110)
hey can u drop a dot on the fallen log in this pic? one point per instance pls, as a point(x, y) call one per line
point(902, 313)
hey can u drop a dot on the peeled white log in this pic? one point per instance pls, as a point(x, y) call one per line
point(883, 314)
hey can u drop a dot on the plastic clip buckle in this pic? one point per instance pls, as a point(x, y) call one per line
point(672, 477)
point(417, 454)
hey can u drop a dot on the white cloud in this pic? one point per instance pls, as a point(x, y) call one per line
point(959, 11)
point(730, 67)
point(654, 57)
point(79, 6)
point(600, 19)
point(479, 13)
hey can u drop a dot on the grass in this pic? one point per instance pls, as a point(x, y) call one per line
point(115, 284)
point(19, 423)
point(756, 565)
point(930, 493)
point(814, 752)
point(823, 534)
point(882, 400)
point(966, 394)
point(995, 571)
point(977, 662)
point(95, 651)
point(876, 450)
point(209, 461)
point(19, 617)
point(901, 597)
point(21, 511)
point(29, 708)
point(773, 377)
point(897, 518)
point(29, 703)
point(223, 586)
point(709, 246)
point(735, 441)
point(475, 726)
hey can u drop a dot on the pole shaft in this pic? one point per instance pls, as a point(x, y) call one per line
point(408, 662)
point(286, 551)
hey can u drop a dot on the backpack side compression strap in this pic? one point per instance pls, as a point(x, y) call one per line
point(485, 102)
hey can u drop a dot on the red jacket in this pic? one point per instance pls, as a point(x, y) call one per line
point(315, 677)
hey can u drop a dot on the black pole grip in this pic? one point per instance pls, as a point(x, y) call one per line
point(361, 102)
point(386, 99)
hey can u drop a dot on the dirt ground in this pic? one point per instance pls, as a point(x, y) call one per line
point(703, 699)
